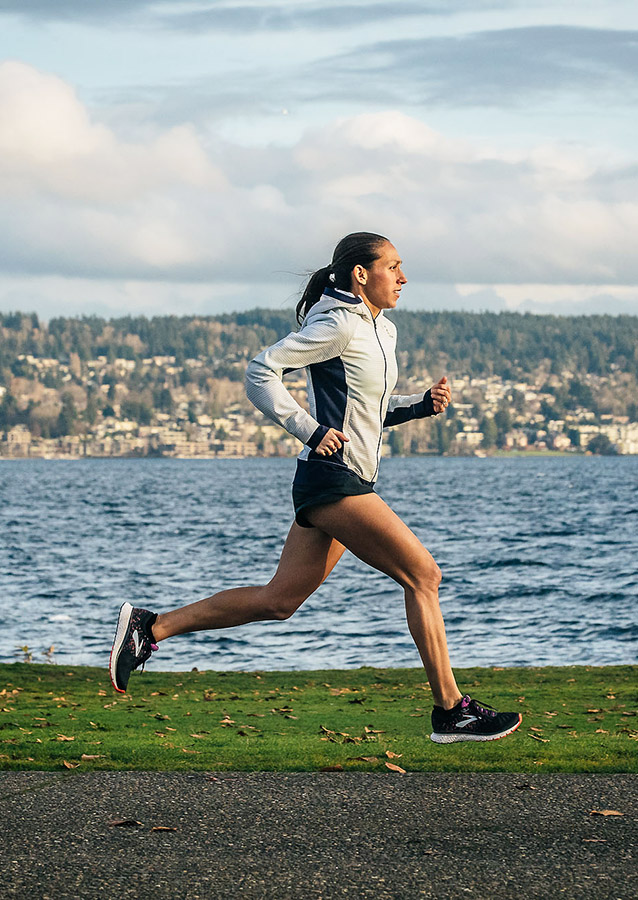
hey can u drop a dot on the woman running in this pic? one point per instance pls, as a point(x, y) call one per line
point(347, 347)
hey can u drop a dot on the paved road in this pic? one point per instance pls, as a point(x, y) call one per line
point(320, 836)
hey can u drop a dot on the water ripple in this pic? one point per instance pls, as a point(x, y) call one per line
point(536, 569)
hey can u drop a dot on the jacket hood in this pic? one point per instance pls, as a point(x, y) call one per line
point(333, 298)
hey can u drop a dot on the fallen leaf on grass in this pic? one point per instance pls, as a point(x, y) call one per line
point(365, 758)
point(92, 756)
point(395, 768)
point(335, 768)
point(226, 721)
point(202, 735)
point(594, 710)
point(372, 730)
point(184, 750)
point(68, 765)
point(537, 738)
point(605, 812)
point(601, 731)
point(163, 828)
point(63, 737)
point(126, 823)
point(533, 728)
point(392, 755)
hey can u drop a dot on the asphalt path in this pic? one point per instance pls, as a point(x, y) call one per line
point(318, 835)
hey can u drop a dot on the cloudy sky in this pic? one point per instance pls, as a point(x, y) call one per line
point(198, 157)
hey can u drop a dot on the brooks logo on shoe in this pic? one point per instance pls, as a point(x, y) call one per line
point(466, 721)
point(137, 642)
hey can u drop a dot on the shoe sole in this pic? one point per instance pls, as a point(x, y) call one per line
point(123, 621)
point(457, 737)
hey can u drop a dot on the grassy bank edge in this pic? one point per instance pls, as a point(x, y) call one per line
point(575, 719)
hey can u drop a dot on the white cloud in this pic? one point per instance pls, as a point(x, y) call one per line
point(78, 201)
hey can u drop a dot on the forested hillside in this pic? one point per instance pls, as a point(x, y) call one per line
point(507, 345)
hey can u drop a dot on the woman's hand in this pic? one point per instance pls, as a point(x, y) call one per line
point(331, 442)
point(441, 395)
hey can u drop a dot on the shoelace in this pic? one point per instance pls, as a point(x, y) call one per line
point(146, 658)
point(481, 708)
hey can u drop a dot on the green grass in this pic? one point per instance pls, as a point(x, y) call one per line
point(575, 719)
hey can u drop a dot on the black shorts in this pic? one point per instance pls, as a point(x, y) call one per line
point(316, 483)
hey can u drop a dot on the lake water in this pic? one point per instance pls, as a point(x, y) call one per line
point(539, 559)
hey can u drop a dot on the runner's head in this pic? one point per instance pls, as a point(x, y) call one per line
point(358, 249)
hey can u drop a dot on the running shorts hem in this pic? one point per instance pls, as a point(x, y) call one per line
point(319, 483)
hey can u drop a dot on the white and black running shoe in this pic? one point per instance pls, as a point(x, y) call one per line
point(133, 644)
point(471, 721)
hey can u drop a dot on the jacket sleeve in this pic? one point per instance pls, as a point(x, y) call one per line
point(324, 337)
point(404, 409)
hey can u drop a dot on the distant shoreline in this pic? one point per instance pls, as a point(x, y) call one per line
point(499, 454)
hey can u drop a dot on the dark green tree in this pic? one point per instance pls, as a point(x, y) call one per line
point(395, 442)
point(490, 432)
point(601, 446)
point(67, 416)
point(574, 436)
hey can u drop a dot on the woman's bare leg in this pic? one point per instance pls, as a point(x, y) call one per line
point(372, 531)
point(308, 557)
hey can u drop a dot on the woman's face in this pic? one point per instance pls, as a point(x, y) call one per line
point(380, 285)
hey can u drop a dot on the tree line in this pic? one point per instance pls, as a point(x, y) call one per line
point(505, 344)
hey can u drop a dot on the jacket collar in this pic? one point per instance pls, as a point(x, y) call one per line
point(333, 298)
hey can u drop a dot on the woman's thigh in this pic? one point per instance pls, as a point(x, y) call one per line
point(308, 557)
point(372, 531)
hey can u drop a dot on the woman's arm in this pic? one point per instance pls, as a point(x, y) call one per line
point(325, 337)
point(418, 406)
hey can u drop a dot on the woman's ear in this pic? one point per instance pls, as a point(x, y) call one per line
point(360, 274)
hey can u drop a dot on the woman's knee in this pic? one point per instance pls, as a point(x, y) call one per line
point(280, 605)
point(424, 577)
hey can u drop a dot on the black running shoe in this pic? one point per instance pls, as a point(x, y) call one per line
point(471, 721)
point(133, 644)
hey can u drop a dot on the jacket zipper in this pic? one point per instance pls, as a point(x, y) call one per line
point(385, 389)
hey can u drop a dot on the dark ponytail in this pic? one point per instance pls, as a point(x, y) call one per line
point(358, 249)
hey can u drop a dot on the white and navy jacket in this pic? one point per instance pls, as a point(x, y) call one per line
point(350, 362)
